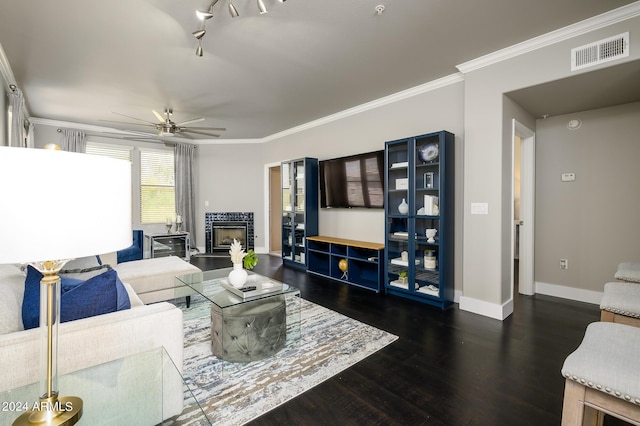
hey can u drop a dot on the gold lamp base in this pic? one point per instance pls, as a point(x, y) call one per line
point(53, 411)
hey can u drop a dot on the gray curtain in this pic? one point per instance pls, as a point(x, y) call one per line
point(17, 119)
point(74, 141)
point(185, 187)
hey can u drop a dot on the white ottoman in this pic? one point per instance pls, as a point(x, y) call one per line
point(621, 303)
point(154, 279)
point(628, 271)
point(602, 375)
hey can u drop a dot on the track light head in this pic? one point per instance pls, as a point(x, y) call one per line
point(199, 34)
point(232, 10)
point(203, 15)
point(262, 8)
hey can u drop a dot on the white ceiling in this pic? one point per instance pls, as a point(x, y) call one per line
point(82, 60)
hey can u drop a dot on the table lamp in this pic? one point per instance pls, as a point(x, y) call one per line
point(57, 206)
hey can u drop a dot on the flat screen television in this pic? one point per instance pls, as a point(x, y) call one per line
point(353, 181)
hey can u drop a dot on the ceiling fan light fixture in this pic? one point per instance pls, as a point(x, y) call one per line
point(199, 34)
point(262, 8)
point(232, 10)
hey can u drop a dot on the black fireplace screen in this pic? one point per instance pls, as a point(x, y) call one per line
point(221, 228)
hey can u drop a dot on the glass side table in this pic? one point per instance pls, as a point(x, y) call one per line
point(250, 329)
point(142, 389)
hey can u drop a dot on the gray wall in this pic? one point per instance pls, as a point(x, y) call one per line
point(231, 179)
point(593, 221)
point(487, 153)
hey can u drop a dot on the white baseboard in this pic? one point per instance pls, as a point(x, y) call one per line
point(487, 309)
point(577, 294)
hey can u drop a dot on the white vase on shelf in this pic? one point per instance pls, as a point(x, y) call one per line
point(403, 208)
point(238, 276)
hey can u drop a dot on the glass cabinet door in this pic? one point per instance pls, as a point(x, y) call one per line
point(399, 250)
point(287, 212)
point(298, 239)
point(427, 223)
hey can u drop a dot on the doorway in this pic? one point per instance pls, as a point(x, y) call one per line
point(523, 209)
point(275, 211)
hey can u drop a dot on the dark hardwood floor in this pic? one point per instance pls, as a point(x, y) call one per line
point(447, 368)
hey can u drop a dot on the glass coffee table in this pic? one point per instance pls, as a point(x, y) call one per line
point(247, 326)
point(141, 389)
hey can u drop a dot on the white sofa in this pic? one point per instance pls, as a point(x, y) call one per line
point(153, 279)
point(86, 342)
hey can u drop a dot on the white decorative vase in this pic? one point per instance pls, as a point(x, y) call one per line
point(403, 208)
point(238, 277)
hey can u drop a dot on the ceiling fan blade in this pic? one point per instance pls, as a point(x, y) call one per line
point(190, 121)
point(158, 115)
point(199, 133)
point(134, 118)
point(126, 122)
point(208, 128)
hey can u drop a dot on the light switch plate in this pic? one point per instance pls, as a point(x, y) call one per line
point(479, 208)
point(568, 177)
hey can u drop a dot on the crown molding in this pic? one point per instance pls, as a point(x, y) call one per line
point(80, 126)
point(399, 96)
point(5, 69)
point(611, 17)
point(395, 97)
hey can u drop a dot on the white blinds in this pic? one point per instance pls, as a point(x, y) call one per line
point(120, 152)
point(157, 186)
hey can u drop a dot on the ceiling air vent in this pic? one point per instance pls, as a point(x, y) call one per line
point(600, 52)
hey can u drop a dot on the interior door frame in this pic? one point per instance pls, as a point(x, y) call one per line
point(526, 283)
point(267, 200)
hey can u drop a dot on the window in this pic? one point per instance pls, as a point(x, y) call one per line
point(157, 186)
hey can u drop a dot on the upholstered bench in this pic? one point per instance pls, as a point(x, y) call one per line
point(154, 279)
point(602, 376)
point(628, 271)
point(621, 303)
point(249, 331)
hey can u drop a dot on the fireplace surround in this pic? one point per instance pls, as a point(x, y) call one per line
point(222, 227)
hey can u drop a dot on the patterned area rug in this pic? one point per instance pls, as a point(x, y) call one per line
point(329, 343)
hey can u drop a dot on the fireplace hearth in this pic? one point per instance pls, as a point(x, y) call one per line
point(222, 227)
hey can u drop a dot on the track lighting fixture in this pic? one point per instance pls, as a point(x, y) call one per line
point(262, 8)
point(206, 15)
point(203, 15)
point(232, 10)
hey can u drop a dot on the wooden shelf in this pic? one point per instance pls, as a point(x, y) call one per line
point(353, 243)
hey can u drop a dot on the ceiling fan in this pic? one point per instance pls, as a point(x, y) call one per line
point(167, 127)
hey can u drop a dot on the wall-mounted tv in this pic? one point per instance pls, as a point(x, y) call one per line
point(353, 181)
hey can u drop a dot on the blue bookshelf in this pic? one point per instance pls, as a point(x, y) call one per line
point(419, 191)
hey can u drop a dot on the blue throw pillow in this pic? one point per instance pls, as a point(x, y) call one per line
point(101, 294)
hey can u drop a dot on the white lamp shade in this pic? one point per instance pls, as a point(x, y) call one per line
point(62, 205)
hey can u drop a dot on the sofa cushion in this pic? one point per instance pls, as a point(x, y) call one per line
point(84, 268)
point(98, 295)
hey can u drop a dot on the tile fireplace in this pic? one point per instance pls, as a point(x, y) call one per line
point(222, 227)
